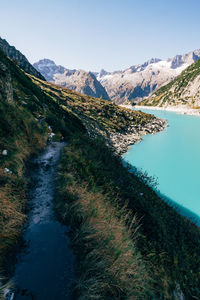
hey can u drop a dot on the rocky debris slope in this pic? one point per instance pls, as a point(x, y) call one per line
point(137, 82)
point(18, 57)
point(134, 134)
point(78, 80)
point(183, 91)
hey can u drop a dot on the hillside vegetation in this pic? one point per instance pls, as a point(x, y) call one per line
point(119, 127)
point(25, 117)
point(93, 187)
point(184, 90)
point(129, 243)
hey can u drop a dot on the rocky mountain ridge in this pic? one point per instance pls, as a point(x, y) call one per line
point(19, 58)
point(78, 80)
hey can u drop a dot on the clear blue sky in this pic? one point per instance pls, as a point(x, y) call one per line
point(95, 34)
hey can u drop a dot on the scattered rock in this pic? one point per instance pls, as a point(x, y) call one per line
point(51, 134)
point(7, 171)
point(4, 152)
point(121, 141)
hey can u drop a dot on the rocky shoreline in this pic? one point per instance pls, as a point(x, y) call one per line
point(122, 141)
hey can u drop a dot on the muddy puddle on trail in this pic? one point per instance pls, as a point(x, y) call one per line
point(45, 267)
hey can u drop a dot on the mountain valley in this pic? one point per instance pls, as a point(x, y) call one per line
point(128, 243)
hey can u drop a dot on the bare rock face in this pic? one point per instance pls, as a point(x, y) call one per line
point(19, 58)
point(140, 81)
point(78, 80)
point(6, 89)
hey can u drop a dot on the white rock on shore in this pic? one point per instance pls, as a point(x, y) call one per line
point(4, 152)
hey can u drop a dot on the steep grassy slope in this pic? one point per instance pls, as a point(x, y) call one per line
point(25, 116)
point(183, 90)
point(96, 194)
point(91, 180)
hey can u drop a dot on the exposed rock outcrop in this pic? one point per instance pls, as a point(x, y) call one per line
point(19, 58)
point(121, 141)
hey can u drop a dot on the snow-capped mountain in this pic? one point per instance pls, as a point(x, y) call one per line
point(78, 80)
point(132, 84)
point(138, 82)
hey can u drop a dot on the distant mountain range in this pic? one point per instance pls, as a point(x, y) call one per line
point(132, 84)
point(78, 80)
point(19, 58)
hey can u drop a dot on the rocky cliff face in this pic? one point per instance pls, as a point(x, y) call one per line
point(6, 89)
point(184, 90)
point(78, 80)
point(18, 57)
point(137, 82)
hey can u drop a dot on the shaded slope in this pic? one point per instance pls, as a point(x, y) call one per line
point(25, 116)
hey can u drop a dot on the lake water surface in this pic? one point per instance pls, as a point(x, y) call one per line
point(173, 156)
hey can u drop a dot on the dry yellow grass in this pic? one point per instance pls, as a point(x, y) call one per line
point(110, 265)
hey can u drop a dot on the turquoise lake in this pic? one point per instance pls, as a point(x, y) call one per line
point(173, 157)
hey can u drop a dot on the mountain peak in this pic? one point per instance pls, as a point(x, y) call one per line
point(151, 61)
point(78, 80)
point(103, 73)
point(142, 67)
point(46, 62)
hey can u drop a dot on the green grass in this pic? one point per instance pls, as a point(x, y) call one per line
point(24, 131)
point(94, 113)
point(104, 235)
point(167, 241)
point(22, 134)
